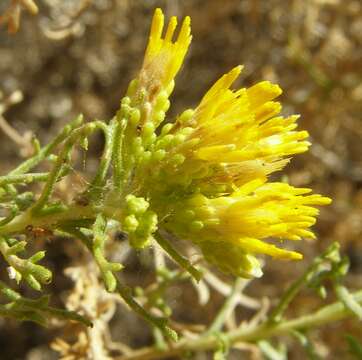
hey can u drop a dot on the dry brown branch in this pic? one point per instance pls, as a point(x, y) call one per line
point(23, 141)
point(11, 17)
point(70, 25)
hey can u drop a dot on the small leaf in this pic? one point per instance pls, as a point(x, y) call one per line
point(348, 300)
point(18, 247)
point(307, 345)
point(270, 352)
point(84, 143)
point(37, 257)
point(34, 283)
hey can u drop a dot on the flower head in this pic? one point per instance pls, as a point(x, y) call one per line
point(242, 220)
point(206, 174)
point(164, 56)
point(150, 91)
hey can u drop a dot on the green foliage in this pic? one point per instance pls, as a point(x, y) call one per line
point(272, 353)
point(37, 310)
point(26, 269)
point(99, 240)
point(89, 218)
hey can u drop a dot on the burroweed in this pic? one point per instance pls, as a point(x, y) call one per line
point(202, 178)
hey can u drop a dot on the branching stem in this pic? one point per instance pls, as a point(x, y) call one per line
point(325, 315)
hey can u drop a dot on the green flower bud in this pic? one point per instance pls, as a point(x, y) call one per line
point(196, 225)
point(186, 116)
point(138, 242)
point(148, 134)
point(162, 101)
point(132, 88)
point(187, 131)
point(159, 155)
point(178, 139)
point(165, 141)
point(170, 87)
point(130, 223)
point(125, 111)
point(146, 157)
point(126, 100)
point(148, 129)
point(166, 128)
point(136, 205)
point(135, 116)
point(147, 225)
point(158, 117)
point(177, 159)
point(137, 147)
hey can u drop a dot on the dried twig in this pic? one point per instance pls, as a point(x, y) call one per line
point(12, 15)
point(23, 141)
point(325, 315)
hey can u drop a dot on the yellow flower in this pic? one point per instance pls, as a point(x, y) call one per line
point(234, 226)
point(150, 91)
point(247, 126)
point(164, 56)
point(255, 212)
point(145, 105)
point(231, 138)
point(205, 176)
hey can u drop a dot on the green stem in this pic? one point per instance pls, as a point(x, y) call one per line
point(50, 221)
point(14, 210)
point(227, 308)
point(177, 257)
point(44, 152)
point(23, 178)
point(47, 150)
point(296, 286)
point(27, 178)
point(98, 182)
point(73, 138)
point(325, 315)
point(160, 323)
point(347, 299)
point(34, 309)
point(118, 171)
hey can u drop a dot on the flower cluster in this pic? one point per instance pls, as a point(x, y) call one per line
point(206, 174)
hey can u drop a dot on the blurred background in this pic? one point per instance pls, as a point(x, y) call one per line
point(77, 56)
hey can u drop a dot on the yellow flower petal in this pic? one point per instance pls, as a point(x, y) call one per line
point(164, 56)
point(262, 92)
point(256, 246)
